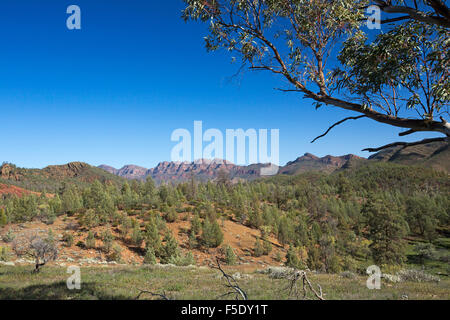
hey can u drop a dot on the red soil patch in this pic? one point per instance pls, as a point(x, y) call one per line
point(20, 192)
point(7, 189)
point(241, 238)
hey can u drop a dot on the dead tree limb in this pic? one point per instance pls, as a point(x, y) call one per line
point(232, 284)
point(300, 276)
point(336, 124)
point(31, 245)
point(162, 296)
point(406, 144)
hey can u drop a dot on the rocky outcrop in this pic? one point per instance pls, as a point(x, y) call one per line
point(310, 162)
point(202, 169)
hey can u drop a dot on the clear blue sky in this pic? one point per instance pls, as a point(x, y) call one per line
point(114, 91)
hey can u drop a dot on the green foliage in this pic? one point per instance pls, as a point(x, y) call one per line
point(8, 237)
point(292, 259)
point(230, 256)
point(258, 250)
point(182, 260)
point(68, 239)
point(136, 236)
point(422, 216)
point(403, 68)
point(193, 243)
point(150, 257)
point(152, 238)
point(196, 224)
point(89, 219)
point(108, 240)
point(170, 248)
point(334, 221)
point(90, 240)
point(171, 215)
point(4, 254)
point(3, 217)
point(425, 251)
point(267, 247)
point(386, 230)
point(116, 253)
point(71, 201)
point(212, 235)
point(50, 237)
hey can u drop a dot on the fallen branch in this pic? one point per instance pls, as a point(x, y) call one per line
point(301, 276)
point(162, 296)
point(231, 284)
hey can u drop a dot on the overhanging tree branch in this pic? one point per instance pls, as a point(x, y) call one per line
point(336, 124)
point(312, 29)
point(406, 144)
point(440, 8)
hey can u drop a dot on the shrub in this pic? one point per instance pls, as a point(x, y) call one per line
point(116, 253)
point(278, 256)
point(192, 240)
point(89, 219)
point(292, 259)
point(348, 275)
point(4, 254)
point(171, 215)
point(416, 276)
point(136, 236)
point(3, 217)
point(267, 247)
point(278, 272)
point(31, 245)
point(196, 224)
point(230, 257)
point(170, 248)
point(182, 260)
point(68, 239)
point(81, 244)
point(90, 240)
point(150, 257)
point(107, 239)
point(258, 251)
point(425, 251)
point(212, 235)
point(8, 237)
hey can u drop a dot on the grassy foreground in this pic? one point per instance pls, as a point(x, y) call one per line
point(123, 282)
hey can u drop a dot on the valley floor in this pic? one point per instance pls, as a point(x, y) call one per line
point(124, 282)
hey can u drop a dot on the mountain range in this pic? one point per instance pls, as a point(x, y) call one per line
point(52, 178)
point(435, 155)
point(203, 170)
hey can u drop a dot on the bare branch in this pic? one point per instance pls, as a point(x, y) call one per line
point(336, 124)
point(405, 133)
point(232, 284)
point(30, 244)
point(418, 15)
point(300, 276)
point(406, 144)
point(162, 296)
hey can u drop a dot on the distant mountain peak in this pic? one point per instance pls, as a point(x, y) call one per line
point(208, 169)
point(309, 155)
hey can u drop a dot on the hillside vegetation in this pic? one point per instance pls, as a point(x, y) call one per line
point(390, 215)
point(52, 178)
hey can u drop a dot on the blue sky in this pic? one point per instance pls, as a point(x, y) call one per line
point(114, 91)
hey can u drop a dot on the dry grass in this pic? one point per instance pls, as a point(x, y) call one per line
point(123, 282)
